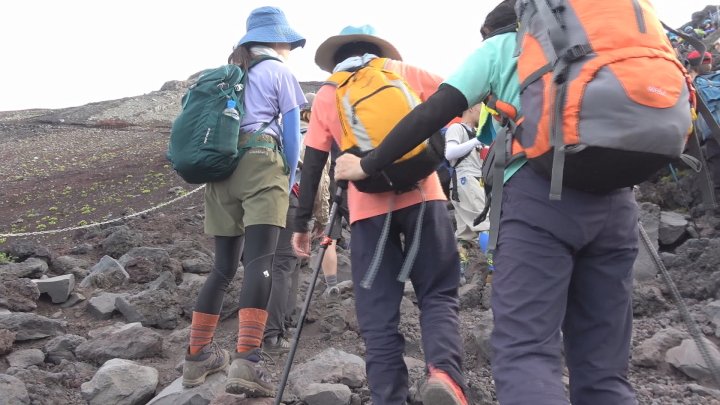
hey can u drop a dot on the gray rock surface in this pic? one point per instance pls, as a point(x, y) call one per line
point(132, 341)
point(107, 273)
point(121, 382)
point(58, 288)
point(29, 326)
point(13, 391)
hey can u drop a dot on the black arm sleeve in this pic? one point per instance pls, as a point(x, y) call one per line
point(313, 165)
point(426, 119)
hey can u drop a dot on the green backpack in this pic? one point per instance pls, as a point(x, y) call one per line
point(203, 145)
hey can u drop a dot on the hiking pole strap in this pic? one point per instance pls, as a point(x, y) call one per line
point(695, 42)
point(706, 188)
point(690, 323)
point(412, 251)
point(483, 214)
point(708, 117)
point(695, 164)
point(329, 228)
point(558, 164)
point(497, 187)
point(374, 267)
point(454, 194)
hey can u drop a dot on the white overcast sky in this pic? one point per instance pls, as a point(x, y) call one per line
point(62, 53)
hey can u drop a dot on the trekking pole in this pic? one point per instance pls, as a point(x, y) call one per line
point(326, 241)
point(682, 308)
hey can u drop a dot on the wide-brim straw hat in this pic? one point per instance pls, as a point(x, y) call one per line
point(324, 56)
point(269, 25)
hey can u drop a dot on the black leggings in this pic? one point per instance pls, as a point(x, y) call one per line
point(259, 243)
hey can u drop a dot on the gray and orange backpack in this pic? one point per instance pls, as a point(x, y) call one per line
point(605, 101)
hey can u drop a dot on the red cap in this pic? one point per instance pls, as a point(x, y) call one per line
point(695, 55)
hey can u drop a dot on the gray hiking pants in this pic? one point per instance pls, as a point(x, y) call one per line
point(563, 265)
point(285, 272)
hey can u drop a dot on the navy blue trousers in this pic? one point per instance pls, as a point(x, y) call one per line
point(435, 279)
point(563, 266)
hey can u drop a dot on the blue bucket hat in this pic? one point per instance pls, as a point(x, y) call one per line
point(269, 25)
point(324, 56)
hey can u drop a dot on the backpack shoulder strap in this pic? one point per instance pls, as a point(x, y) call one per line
point(461, 158)
point(260, 59)
point(338, 78)
point(378, 63)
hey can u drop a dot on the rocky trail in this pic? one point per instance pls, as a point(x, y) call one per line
point(100, 314)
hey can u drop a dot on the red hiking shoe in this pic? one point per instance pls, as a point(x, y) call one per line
point(441, 389)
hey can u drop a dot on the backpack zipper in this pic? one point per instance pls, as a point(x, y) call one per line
point(207, 134)
point(354, 116)
point(639, 16)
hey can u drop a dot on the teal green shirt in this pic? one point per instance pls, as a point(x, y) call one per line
point(491, 69)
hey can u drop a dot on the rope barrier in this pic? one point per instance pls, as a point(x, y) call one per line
point(74, 228)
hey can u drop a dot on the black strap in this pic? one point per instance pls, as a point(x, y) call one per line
point(498, 169)
point(706, 188)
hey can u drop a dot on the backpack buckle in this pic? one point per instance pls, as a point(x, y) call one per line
point(239, 87)
point(576, 52)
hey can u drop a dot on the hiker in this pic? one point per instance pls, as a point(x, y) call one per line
point(246, 212)
point(321, 213)
point(462, 150)
point(285, 275)
point(433, 274)
point(707, 84)
point(559, 265)
point(330, 261)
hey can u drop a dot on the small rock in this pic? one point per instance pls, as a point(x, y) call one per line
point(7, 338)
point(326, 394)
point(687, 358)
point(13, 391)
point(58, 288)
point(18, 294)
point(74, 298)
point(103, 306)
point(25, 358)
point(107, 273)
point(176, 394)
point(131, 341)
point(29, 326)
point(30, 268)
point(121, 382)
point(71, 265)
point(63, 348)
point(672, 227)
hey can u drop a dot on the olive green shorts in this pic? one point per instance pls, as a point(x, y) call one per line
point(255, 194)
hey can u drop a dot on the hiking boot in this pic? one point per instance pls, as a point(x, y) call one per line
point(210, 359)
point(276, 345)
point(332, 295)
point(246, 376)
point(441, 389)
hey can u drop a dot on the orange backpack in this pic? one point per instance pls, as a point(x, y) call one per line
point(371, 100)
point(605, 101)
